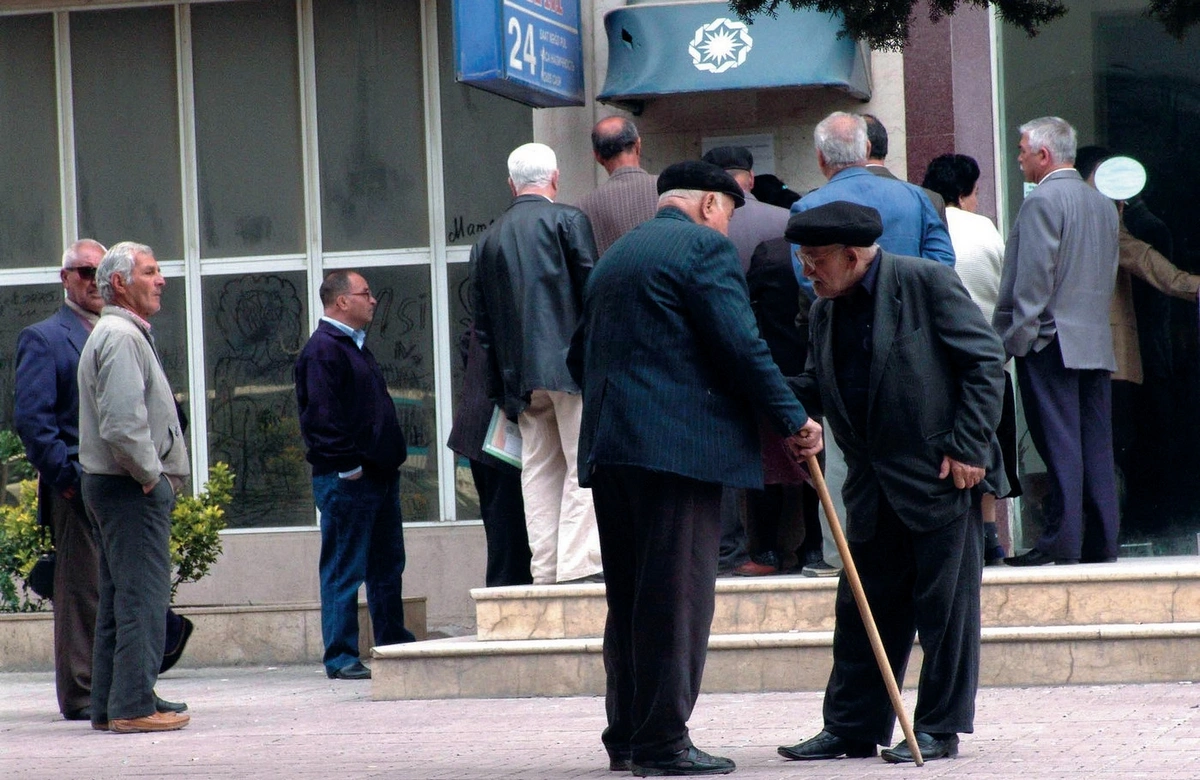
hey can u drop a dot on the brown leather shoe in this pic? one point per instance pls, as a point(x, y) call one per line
point(159, 721)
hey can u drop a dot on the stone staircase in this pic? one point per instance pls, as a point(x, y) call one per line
point(1137, 620)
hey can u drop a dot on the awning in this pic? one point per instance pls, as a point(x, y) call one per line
point(675, 48)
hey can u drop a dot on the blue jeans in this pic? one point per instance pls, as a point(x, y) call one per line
point(361, 541)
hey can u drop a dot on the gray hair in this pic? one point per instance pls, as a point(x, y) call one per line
point(71, 256)
point(532, 165)
point(118, 260)
point(841, 139)
point(688, 195)
point(1054, 135)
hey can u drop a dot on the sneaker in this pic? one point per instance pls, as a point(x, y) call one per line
point(820, 569)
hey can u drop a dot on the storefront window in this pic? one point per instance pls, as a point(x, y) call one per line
point(1127, 85)
point(372, 125)
point(127, 128)
point(254, 327)
point(20, 307)
point(245, 58)
point(30, 226)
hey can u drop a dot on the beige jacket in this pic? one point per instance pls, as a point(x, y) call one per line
point(128, 424)
point(1137, 258)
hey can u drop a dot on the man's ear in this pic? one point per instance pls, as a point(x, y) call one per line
point(512, 187)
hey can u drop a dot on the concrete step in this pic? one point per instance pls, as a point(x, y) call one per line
point(796, 661)
point(224, 636)
point(1136, 590)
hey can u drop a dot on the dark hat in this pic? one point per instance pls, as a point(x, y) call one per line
point(697, 175)
point(730, 157)
point(839, 222)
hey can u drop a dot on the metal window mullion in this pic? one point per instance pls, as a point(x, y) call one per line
point(312, 161)
point(66, 129)
point(443, 409)
point(191, 244)
point(312, 168)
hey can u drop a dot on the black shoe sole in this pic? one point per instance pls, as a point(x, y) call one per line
point(647, 771)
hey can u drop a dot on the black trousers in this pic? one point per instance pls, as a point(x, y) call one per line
point(916, 583)
point(659, 535)
point(503, 509)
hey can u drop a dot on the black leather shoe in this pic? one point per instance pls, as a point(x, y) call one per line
point(1036, 557)
point(83, 713)
point(932, 747)
point(618, 763)
point(355, 671)
point(162, 705)
point(826, 745)
point(172, 657)
point(692, 761)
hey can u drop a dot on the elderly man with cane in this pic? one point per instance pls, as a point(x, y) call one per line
point(909, 378)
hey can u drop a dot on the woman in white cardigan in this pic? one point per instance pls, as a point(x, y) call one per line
point(979, 257)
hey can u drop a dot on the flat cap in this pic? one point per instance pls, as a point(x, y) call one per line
point(698, 175)
point(730, 158)
point(839, 222)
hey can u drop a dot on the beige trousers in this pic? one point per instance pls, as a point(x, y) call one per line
point(559, 515)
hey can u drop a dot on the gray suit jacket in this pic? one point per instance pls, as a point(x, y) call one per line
point(753, 224)
point(936, 387)
point(1060, 264)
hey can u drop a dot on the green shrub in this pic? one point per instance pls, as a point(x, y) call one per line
point(195, 538)
point(22, 541)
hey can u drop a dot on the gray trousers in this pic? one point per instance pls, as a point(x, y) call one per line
point(835, 478)
point(135, 591)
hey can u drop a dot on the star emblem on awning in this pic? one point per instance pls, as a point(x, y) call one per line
point(720, 45)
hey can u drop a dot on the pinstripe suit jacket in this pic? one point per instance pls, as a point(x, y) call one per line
point(670, 361)
point(626, 200)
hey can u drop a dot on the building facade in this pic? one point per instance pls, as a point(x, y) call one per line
point(258, 144)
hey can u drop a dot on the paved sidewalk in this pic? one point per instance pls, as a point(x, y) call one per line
point(291, 722)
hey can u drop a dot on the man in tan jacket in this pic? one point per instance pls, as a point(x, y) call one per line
point(134, 461)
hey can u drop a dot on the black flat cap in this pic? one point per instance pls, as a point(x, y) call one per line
point(698, 175)
point(839, 222)
point(730, 158)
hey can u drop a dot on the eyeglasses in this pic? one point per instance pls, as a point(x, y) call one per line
point(365, 292)
point(86, 272)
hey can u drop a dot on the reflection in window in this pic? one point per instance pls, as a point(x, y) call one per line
point(466, 497)
point(248, 152)
point(20, 307)
point(401, 338)
point(169, 328)
point(30, 219)
point(254, 326)
point(372, 124)
point(479, 130)
point(127, 128)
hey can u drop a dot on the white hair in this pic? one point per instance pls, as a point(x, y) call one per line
point(1054, 135)
point(71, 256)
point(532, 165)
point(841, 138)
point(688, 195)
point(118, 260)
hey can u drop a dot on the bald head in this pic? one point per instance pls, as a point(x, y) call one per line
point(616, 143)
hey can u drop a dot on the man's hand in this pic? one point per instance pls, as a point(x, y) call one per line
point(146, 489)
point(805, 442)
point(965, 476)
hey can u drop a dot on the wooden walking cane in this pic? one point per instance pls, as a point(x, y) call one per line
point(864, 609)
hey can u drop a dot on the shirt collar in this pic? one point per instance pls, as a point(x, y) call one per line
point(870, 279)
point(89, 318)
point(358, 336)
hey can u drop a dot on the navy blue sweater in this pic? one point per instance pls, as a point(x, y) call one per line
point(347, 417)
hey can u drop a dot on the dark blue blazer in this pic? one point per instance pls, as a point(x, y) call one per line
point(669, 357)
point(46, 407)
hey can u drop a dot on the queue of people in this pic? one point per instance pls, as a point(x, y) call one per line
point(670, 355)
